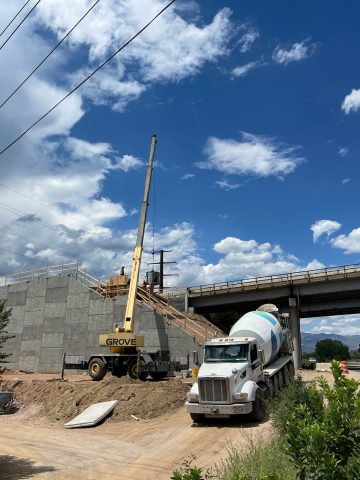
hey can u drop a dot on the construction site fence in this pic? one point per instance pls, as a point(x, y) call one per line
point(53, 270)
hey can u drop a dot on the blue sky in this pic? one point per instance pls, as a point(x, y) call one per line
point(256, 108)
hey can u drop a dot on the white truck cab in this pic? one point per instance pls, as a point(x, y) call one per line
point(233, 378)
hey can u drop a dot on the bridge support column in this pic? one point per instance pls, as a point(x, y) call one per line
point(295, 331)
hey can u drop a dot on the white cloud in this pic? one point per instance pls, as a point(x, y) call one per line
point(248, 38)
point(350, 243)
point(255, 155)
point(227, 186)
point(346, 180)
point(338, 324)
point(244, 69)
point(223, 216)
point(188, 175)
point(234, 245)
point(351, 102)
point(297, 52)
point(343, 151)
point(324, 226)
point(169, 50)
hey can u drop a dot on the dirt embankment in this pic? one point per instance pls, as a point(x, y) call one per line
point(62, 401)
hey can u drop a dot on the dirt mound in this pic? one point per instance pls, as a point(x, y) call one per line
point(62, 401)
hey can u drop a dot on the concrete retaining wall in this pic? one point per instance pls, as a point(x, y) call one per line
point(178, 302)
point(61, 315)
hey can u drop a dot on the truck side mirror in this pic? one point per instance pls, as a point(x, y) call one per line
point(262, 356)
point(195, 357)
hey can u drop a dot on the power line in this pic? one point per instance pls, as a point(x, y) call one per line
point(53, 50)
point(76, 255)
point(54, 227)
point(20, 24)
point(21, 255)
point(87, 78)
point(8, 25)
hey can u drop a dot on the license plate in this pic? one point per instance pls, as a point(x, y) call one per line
point(206, 409)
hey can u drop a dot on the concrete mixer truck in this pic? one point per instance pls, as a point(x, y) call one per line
point(239, 372)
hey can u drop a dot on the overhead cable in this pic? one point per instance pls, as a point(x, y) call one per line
point(54, 227)
point(87, 78)
point(76, 255)
point(53, 50)
point(23, 20)
point(21, 255)
point(8, 25)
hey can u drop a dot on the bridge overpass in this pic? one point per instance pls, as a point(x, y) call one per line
point(313, 293)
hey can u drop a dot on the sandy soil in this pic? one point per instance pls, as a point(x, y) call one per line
point(148, 449)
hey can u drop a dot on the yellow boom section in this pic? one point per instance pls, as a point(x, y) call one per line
point(130, 307)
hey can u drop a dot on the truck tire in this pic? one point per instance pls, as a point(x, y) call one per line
point(258, 411)
point(291, 370)
point(132, 371)
point(97, 369)
point(286, 376)
point(158, 375)
point(197, 417)
point(281, 379)
point(276, 383)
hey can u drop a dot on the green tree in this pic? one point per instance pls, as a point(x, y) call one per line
point(326, 445)
point(328, 349)
point(4, 320)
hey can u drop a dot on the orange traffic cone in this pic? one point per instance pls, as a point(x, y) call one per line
point(344, 366)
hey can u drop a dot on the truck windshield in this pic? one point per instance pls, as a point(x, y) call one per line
point(228, 353)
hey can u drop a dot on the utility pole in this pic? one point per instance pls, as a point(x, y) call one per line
point(162, 263)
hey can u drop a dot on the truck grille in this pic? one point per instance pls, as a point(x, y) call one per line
point(214, 390)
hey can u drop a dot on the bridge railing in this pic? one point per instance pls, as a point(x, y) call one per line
point(279, 280)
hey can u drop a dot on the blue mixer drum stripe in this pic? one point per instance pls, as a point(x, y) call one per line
point(273, 345)
point(267, 316)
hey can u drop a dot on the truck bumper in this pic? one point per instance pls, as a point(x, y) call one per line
point(220, 411)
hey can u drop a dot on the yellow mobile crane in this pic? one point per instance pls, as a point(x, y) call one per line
point(125, 356)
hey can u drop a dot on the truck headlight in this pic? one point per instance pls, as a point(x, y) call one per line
point(192, 397)
point(240, 396)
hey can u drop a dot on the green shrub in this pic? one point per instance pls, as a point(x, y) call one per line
point(254, 458)
point(326, 445)
point(286, 400)
point(187, 472)
point(305, 363)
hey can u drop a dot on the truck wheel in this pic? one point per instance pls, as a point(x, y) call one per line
point(285, 373)
point(291, 370)
point(276, 383)
point(97, 369)
point(197, 417)
point(158, 375)
point(258, 411)
point(132, 371)
point(281, 379)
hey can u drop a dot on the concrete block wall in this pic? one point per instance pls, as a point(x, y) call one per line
point(60, 314)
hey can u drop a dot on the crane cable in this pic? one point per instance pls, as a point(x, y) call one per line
point(8, 25)
point(53, 50)
point(87, 78)
point(20, 24)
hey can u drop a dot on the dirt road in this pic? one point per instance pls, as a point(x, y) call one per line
point(148, 449)
point(136, 450)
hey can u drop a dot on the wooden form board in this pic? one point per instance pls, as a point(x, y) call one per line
point(120, 280)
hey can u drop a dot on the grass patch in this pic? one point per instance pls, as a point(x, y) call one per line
point(256, 457)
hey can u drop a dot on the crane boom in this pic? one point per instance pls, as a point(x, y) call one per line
point(130, 307)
